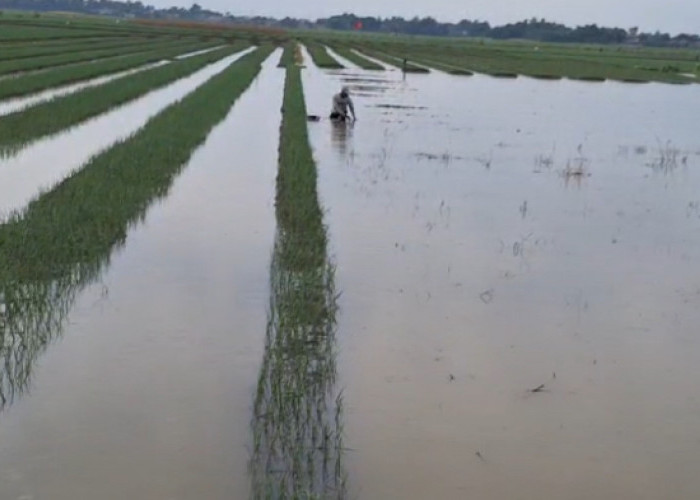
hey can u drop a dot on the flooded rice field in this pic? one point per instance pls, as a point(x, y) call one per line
point(41, 165)
point(517, 291)
point(520, 298)
point(145, 391)
point(17, 104)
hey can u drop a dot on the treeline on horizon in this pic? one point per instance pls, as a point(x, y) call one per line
point(532, 29)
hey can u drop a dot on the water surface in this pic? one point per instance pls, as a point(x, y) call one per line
point(145, 390)
point(44, 163)
point(493, 236)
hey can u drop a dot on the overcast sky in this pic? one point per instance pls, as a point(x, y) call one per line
point(673, 16)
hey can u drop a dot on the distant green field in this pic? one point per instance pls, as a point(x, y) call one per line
point(539, 60)
point(36, 63)
point(26, 34)
point(29, 83)
point(60, 47)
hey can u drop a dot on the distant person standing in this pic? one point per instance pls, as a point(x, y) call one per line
point(341, 105)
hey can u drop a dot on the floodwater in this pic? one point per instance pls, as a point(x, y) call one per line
point(494, 237)
point(513, 305)
point(19, 103)
point(198, 52)
point(147, 392)
point(45, 163)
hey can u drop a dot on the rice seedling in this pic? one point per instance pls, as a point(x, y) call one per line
point(321, 57)
point(447, 68)
point(25, 50)
point(298, 55)
point(356, 58)
point(35, 82)
point(422, 63)
point(35, 63)
point(17, 130)
point(298, 417)
point(394, 61)
point(549, 61)
point(63, 240)
point(288, 54)
point(18, 32)
point(32, 314)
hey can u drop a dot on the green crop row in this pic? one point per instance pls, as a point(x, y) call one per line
point(19, 129)
point(35, 82)
point(14, 33)
point(26, 50)
point(57, 27)
point(35, 63)
point(298, 416)
point(534, 59)
point(441, 66)
point(87, 214)
point(64, 239)
point(287, 58)
point(321, 57)
point(356, 58)
point(298, 208)
point(511, 60)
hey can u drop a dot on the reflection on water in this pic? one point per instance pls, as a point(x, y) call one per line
point(148, 393)
point(297, 422)
point(44, 163)
point(36, 298)
point(32, 314)
point(48, 253)
point(471, 278)
point(341, 137)
point(298, 415)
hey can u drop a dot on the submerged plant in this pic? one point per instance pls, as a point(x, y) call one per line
point(668, 158)
point(297, 420)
